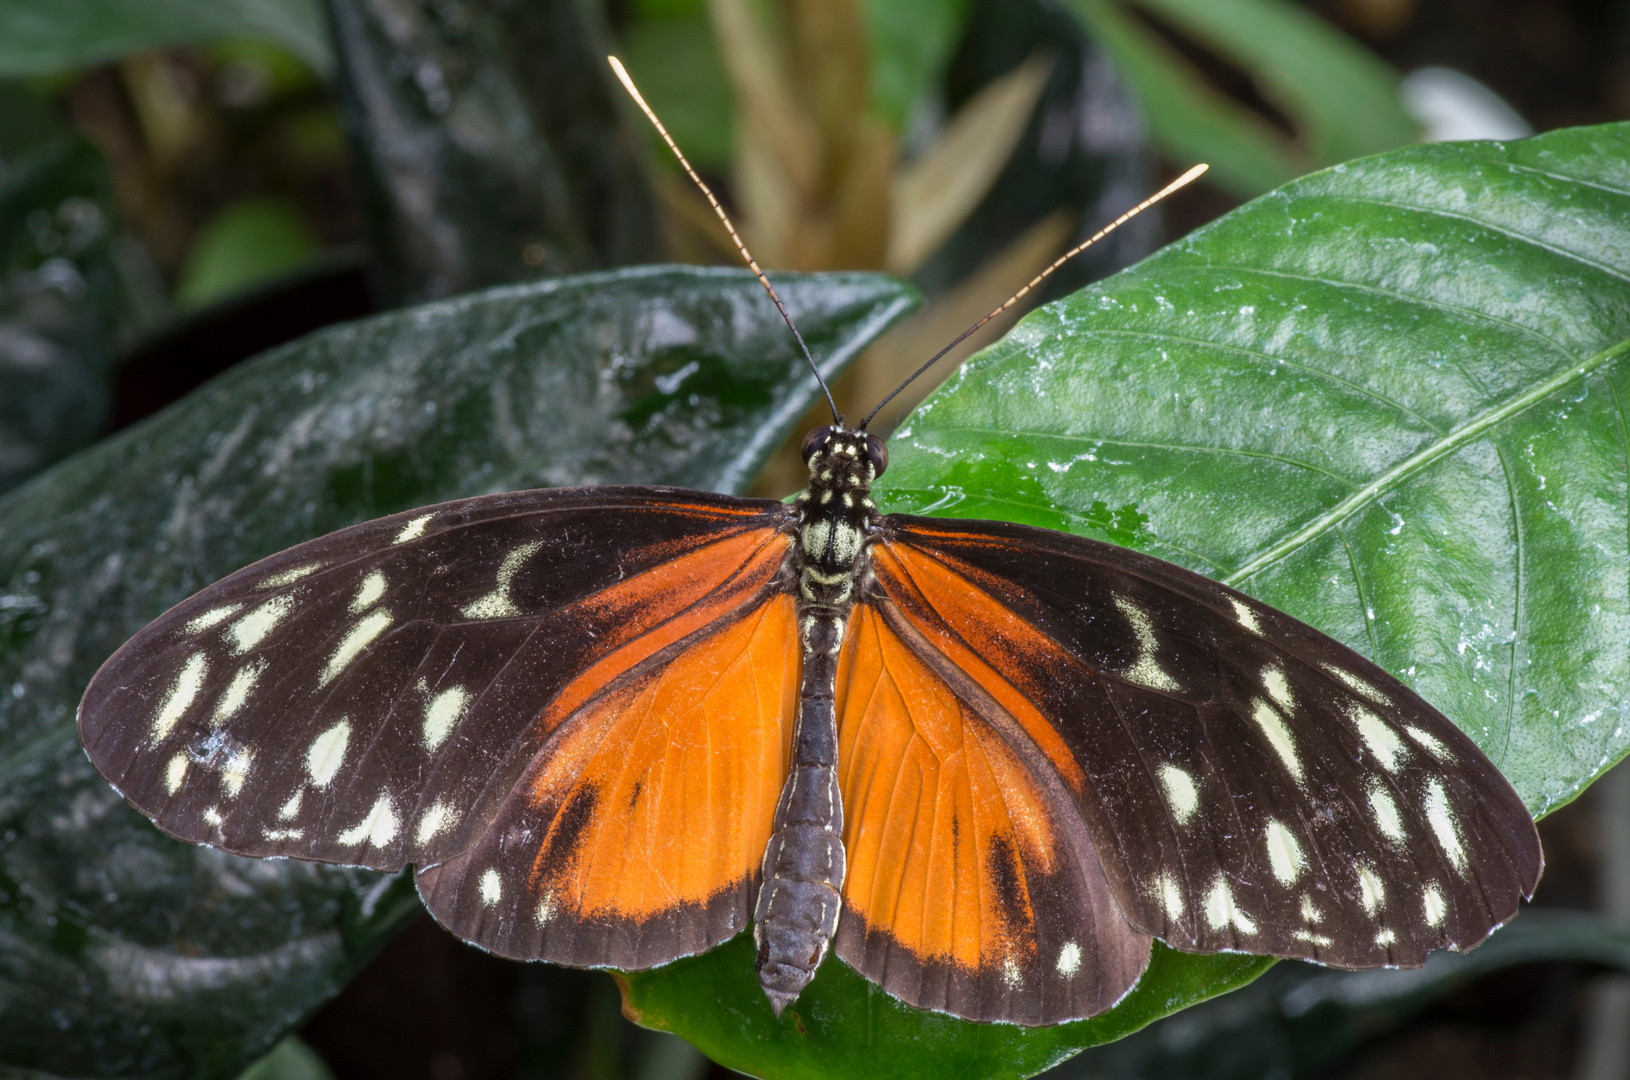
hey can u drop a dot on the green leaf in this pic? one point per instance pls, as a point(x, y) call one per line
point(1385, 399)
point(1342, 99)
point(245, 244)
point(47, 38)
point(129, 953)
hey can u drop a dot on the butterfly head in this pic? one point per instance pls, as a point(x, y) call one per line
point(843, 459)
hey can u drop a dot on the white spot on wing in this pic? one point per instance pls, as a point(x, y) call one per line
point(546, 908)
point(413, 529)
point(1383, 742)
point(1429, 743)
point(282, 834)
point(1284, 853)
point(327, 753)
point(252, 629)
point(290, 576)
point(212, 617)
point(1442, 818)
point(1357, 684)
point(212, 816)
point(1386, 814)
point(377, 827)
point(292, 807)
point(360, 637)
point(1384, 938)
point(1180, 792)
point(1146, 671)
point(236, 771)
point(1278, 736)
point(491, 887)
point(436, 820)
point(1220, 910)
point(1011, 973)
point(181, 695)
point(1273, 678)
point(174, 773)
point(497, 604)
point(236, 693)
point(368, 593)
point(1433, 906)
point(1371, 893)
point(1310, 910)
point(442, 713)
point(1321, 940)
point(1171, 897)
point(1247, 618)
point(1069, 959)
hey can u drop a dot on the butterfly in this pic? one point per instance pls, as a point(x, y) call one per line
point(984, 764)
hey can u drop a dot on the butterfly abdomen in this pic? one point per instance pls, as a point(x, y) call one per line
point(804, 863)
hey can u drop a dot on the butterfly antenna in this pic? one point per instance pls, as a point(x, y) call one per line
point(633, 92)
point(1182, 181)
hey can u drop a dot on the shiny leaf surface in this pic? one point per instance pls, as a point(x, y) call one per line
point(128, 953)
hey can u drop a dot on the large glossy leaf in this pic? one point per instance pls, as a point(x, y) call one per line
point(490, 144)
point(43, 39)
point(1386, 399)
point(123, 952)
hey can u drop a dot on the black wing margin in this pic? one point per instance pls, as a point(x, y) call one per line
point(1250, 784)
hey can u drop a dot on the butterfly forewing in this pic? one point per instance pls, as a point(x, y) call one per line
point(372, 697)
point(1249, 783)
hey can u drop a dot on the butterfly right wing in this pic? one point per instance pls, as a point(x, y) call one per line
point(371, 697)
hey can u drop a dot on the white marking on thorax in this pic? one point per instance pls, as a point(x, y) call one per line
point(368, 593)
point(327, 753)
point(378, 827)
point(250, 630)
point(1442, 818)
point(182, 692)
point(1278, 736)
point(1284, 853)
point(442, 713)
point(359, 638)
point(1146, 670)
point(497, 604)
point(413, 529)
point(1180, 792)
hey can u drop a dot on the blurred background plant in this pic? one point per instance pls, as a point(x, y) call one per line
point(185, 183)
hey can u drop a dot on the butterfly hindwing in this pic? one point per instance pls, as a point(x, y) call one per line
point(371, 697)
point(636, 834)
point(1250, 784)
point(973, 886)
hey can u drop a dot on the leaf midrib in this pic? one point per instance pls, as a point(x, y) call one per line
point(1419, 460)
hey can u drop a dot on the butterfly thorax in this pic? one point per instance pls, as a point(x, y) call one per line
point(804, 862)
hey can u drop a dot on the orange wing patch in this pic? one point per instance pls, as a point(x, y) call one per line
point(971, 885)
point(636, 835)
point(668, 785)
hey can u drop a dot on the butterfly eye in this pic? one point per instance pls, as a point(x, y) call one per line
point(878, 451)
point(814, 441)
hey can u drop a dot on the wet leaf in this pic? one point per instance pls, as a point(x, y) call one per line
point(128, 953)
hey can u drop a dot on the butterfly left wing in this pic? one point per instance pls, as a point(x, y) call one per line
point(374, 697)
point(1248, 783)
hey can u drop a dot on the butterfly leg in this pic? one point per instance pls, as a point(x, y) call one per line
point(798, 906)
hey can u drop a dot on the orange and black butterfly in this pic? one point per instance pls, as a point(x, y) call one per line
point(984, 763)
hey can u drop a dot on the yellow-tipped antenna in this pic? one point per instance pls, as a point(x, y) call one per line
point(639, 99)
point(1182, 181)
